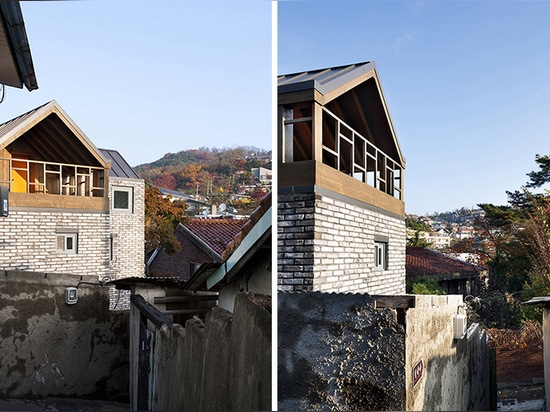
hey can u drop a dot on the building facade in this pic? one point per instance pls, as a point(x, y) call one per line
point(72, 208)
point(341, 220)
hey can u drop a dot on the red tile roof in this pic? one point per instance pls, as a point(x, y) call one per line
point(425, 262)
point(215, 233)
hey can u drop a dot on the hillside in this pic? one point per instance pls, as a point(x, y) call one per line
point(217, 175)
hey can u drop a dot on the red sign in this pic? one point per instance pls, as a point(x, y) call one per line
point(418, 371)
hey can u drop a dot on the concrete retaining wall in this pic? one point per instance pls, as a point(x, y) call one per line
point(337, 352)
point(223, 363)
point(49, 348)
point(455, 371)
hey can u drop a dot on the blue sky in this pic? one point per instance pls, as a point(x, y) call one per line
point(151, 77)
point(466, 83)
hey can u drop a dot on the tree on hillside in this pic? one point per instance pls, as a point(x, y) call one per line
point(519, 267)
point(418, 227)
point(162, 216)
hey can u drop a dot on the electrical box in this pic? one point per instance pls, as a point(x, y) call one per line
point(71, 296)
point(459, 323)
point(4, 203)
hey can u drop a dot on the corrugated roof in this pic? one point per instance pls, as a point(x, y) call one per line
point(126, 283)
point(119, 166)
point(323, 80)
point(425, 262)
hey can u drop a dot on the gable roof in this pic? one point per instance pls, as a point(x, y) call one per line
point(422, 262)
point(352, 92)
point(325, 80)
point(16, 66)
point(50, 131)
point(212, 235)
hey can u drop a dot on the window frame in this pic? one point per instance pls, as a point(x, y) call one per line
point(130, 193)
point(65, 237)
point(381, 252)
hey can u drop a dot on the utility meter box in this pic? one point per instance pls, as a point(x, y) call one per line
point(71, 296)
point(459, 323)
point(4, 202)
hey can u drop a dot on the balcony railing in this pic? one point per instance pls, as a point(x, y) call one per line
point(343, 148)
point(31, 176)
point(347, 151)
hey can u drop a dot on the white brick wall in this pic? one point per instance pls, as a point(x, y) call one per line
point(127, 230)
point(28, 241)
point(344, 249)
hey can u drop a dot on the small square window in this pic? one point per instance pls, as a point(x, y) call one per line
point(67, 243)
point(123, 199)
point(381, 255)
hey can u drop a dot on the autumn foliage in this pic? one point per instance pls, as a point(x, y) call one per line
point(162, 216)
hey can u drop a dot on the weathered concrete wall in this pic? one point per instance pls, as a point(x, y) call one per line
point(221, 364)
point(336, 352)
point(49, 348)
point(455, 372)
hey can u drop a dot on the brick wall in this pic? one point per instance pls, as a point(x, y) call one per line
point(327, 244)
point(28, 241)
point(295, 239)
point(127, 231)
point(127, 257)
point(108, 244)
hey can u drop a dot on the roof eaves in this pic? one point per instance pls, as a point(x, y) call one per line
point(15, 30)
point(316, 79)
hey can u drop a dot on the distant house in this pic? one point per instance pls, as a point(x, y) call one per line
point(340, 182)
point(262, 175)
point(17, 68)
point(453, 275)
point(193, 205)
point(73, 208)
point(201, 240)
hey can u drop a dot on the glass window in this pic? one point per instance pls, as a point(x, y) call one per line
point(67, 243)
point(381, 255)
point(122, 199)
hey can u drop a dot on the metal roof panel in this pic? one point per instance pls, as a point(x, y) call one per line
point(119, 166)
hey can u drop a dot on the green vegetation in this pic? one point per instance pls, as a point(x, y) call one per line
point(517, 242)
point(422, 286)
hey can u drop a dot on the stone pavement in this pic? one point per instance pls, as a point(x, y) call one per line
point(61, 404)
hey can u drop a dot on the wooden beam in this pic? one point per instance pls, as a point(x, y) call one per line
point(394, 302)
point(149, 311)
